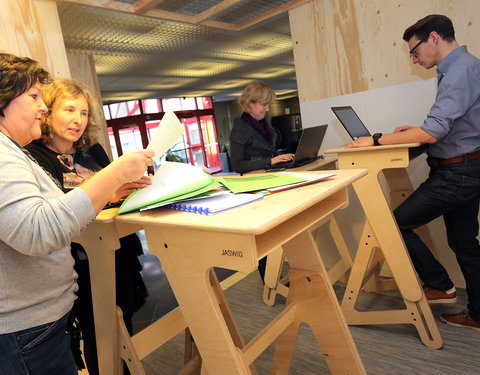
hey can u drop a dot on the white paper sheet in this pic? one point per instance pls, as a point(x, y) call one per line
point(165, 136)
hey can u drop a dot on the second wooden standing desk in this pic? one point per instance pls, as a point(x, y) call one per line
point(381, 240)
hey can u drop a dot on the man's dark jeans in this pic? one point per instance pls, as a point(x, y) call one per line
point(451, 191)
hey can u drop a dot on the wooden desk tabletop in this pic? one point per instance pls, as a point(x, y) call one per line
point(343, 150)
point(317, 165)
point(107, 216)
point(253, 218)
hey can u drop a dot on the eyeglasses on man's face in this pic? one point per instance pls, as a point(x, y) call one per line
point(413, 52)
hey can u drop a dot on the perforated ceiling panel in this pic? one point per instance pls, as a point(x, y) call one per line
point(191, 8)
point(142, 57)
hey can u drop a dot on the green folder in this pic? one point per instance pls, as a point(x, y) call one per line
point(259, 182)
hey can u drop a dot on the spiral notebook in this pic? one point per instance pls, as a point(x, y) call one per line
point(215, 204)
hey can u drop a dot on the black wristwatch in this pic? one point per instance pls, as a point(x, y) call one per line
point(376, 137)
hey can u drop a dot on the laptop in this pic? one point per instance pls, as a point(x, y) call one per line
point(355, 127)
point(307, 149)
point(351, 122)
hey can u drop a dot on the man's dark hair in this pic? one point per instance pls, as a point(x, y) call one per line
point(434, 22)
point(17, 76)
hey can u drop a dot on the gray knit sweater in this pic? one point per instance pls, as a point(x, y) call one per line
point(37, 223)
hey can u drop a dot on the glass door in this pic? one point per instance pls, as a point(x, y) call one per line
point(210, 143)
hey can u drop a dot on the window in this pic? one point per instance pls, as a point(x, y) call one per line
point(204, 102)
point(151, 106)
point(172, 104)
point(188, 104)
point(106, 112)
point(130, 139)
point(131, 126)
point(124, 109)
point(210, 143)
point(113, 142)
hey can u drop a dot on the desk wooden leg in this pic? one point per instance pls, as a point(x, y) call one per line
point(372, 260)
point(424, 322)
point(381, 230)
point(285, 349)
point(191, 358)
point(338, 271)
point(316, 304)
point(100, 243)
point(199, 296)
point(366, 267)
point(275, 260)
point(228, 315)
point(273, 272)
point(125, 347)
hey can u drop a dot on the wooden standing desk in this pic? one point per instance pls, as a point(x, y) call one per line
point(381, 241)
point(189, 246)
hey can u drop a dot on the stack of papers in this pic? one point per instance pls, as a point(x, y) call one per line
point(188, 188)
point(310, 178)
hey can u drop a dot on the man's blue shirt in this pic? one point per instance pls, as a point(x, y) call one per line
point(454, 118)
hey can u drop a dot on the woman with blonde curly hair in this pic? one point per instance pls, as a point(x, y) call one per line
point(53, 96)
point(68, 145)
point(69, 151)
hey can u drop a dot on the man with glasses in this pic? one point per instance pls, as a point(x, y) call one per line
point(452, 189)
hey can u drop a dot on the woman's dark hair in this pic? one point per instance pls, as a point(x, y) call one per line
point(434, 22)
point(17, 76)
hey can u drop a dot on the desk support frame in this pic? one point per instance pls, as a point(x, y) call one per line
point(381, 240)
point(103, 235)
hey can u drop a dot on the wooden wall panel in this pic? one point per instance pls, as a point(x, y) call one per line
point(347, 46)
point(32, 28)
point(82, 68)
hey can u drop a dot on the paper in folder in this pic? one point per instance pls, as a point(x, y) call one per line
point(215, 204)
point(172, 182)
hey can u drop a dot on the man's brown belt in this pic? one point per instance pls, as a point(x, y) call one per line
point(437, 162)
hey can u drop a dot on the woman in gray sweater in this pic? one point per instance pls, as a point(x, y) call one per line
point(37, 223)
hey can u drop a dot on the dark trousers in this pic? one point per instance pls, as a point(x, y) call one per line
point(131, 293)
point(41, 350)
point(451, 191)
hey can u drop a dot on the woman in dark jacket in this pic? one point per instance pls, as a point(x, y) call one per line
point(252, 139)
